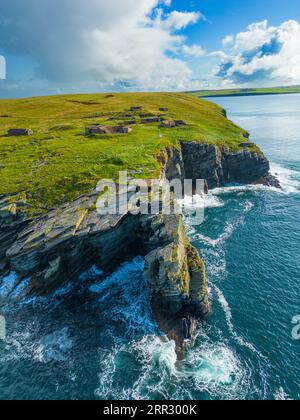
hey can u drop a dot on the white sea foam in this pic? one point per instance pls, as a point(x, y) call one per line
point(156, 358)
point(159, 350)
point(215, 369)
point(212, 365)
point(51, 301)
point(18, 345)
point(228, 231)
point(201, 201)
point(7, 284)
point(20, 290)
point(54, 347)
point(93, 273)
point(239, 189)
point(130, 288)
point(227, 310)
point(215, 268)
point(281, 395)
point(119, 275)
point(248, 206)
point(288, 178)
point(62, 291)
point(211, 368)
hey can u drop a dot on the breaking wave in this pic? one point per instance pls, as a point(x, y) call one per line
point(289, 179)
point(201, 201)
point(227, 311)
point(210, 368)
point(129, 288)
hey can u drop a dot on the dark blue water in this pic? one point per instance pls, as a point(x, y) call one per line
point(98, 340)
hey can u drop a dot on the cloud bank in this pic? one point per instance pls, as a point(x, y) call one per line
point(116, 42)
point(263, 53)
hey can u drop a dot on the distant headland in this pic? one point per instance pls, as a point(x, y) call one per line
point(246, 92)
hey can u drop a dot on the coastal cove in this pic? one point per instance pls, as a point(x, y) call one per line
point(101, 331)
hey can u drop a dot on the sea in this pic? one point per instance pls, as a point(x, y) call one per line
point(97, 339)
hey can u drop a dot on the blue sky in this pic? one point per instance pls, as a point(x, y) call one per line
point(233, 16)
point(58, 46)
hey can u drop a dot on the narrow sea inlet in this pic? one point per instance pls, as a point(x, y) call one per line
point(98, 340)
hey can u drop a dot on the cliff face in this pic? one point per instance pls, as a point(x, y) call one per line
point(219, 166)
point(58, 247)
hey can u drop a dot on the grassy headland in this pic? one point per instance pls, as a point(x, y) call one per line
point(58, 162)
point(246, 92)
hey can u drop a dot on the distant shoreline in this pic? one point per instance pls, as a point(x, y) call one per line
point(228, 95)
point(289, 90)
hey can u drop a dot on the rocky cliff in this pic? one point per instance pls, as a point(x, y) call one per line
point(218, 166)
point(55, 248)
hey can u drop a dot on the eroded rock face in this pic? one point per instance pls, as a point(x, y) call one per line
point(219, 166)
point(174, 269)
point(56, 248)
point(69, 240)
point(12, 221)
point(59, 246)
point(177, 279)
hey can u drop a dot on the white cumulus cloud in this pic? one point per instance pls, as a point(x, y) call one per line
point(193, 51)
point(115, 42)
point(179, 20)
point(262, 53)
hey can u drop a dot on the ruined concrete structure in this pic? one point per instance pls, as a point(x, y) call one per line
point(101, 129)
point(168, 124)
point(19, 132)
point(128, 122)
point(172, 123)
point(247, 144)
point(179, 123)
point(150, 120)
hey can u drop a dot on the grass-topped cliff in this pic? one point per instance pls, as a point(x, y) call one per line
point(58, 162)
point(246, 92)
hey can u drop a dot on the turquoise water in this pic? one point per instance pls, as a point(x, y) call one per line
point(98, 340)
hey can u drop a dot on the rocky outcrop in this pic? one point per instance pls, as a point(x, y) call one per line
point(12, 221)
point(216, 165)
point(56, 248)
point(177, 279)
point(174, 268)
point(61, 245)
point(219, 166)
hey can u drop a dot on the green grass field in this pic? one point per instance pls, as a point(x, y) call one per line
point(246, 92)
point(58, 162)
